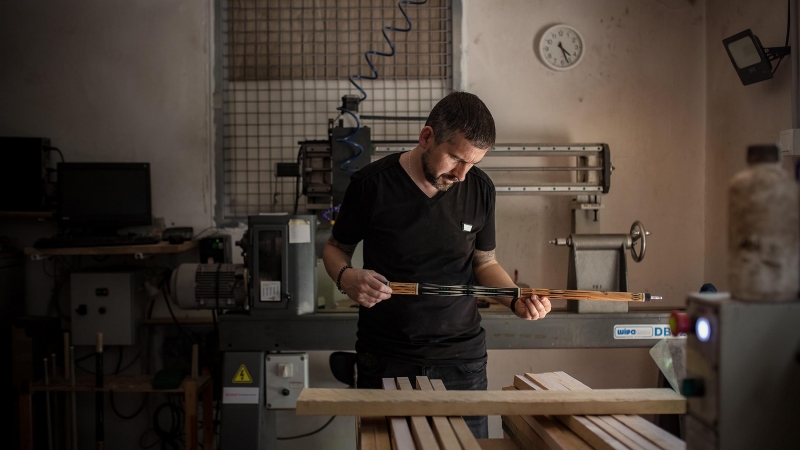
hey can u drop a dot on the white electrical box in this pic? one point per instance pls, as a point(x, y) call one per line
point(109, 303)
point(287, 376)
point(790, 142)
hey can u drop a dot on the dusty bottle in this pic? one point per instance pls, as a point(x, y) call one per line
point(763, 230)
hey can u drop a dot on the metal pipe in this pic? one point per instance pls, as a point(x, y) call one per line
point(56, 407)
point(73, 415)
point(47, 406)
point(67, 399)
point(99, 430)
point(795, 60)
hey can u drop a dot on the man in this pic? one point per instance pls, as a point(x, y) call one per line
point(425, 216)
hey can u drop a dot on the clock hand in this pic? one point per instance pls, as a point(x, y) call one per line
point(566, 55)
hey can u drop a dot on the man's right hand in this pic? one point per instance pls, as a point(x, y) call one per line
point(365, 287)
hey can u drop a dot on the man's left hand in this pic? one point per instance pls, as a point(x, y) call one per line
point(532, 308)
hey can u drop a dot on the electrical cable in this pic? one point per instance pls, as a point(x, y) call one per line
point(297, 182)
point(346, 140)
point(172, 435)
point(786, 42)
point(308, 434)
point(175, 319)
point(55, 149)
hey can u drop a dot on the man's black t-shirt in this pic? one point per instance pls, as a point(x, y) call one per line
point(409, 237)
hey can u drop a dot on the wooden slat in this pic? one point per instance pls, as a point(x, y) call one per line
point(371, 402)
point(442, 429)
point(497, 444)
point(553, 433)
point(649, 430)
point(420, 428)
point(365, 440)
point(521, 434)
point(607, 423)
point(374, 434)
point(460, 428)
point(581, 425)
point(401, 434)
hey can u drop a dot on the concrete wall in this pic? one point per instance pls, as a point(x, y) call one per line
point(737, 115)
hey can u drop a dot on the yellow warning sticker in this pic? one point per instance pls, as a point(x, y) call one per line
point(242, 375)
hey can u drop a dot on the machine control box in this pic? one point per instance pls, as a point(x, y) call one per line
point(287, 376)
point(109, 303)
point(741, 373)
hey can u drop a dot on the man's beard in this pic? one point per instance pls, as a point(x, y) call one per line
point(436, 180)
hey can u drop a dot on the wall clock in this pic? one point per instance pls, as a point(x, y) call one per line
point(561, 47)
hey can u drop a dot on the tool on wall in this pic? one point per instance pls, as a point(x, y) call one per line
point(99, 431)
point(598, 262)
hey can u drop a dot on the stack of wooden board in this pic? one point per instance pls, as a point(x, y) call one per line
point(415, 432)
point(544, 415)
point(606, 432)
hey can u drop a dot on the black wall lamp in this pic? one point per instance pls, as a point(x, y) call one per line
point(751, 60)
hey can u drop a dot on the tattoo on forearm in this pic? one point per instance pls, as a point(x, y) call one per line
point(349, 249)
point(480, 258)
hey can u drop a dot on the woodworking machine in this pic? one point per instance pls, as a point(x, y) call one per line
point(742, 372)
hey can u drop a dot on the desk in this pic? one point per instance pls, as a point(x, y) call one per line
point(127, 383)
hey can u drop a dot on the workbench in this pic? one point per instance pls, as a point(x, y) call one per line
point(190, 388)
point(337, 331)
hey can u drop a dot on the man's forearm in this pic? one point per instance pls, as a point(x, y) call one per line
point(334, 259)
point(492, 274)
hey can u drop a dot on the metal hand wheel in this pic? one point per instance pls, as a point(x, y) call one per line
point(638, 233)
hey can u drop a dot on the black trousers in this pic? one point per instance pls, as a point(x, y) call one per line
point(471, 376)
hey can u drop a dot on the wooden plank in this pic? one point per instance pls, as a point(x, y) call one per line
point(190, 413)
point(591, 433)
point(149, 249)
point(371, 402)
point(442, 429)
point(649, 430)
point(497, 444)
point(365, 439)
point(383, 439)
point(460, 428)
point(553, 433)
point(580, 425)
point(400, 432)
point(420, 428)
point(521, 434)
point(546, 382)
point(653, 432)
point(208, 417)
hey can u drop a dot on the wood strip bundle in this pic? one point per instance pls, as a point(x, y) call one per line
point(372, 402)
point(486, 291)
point(597, 431)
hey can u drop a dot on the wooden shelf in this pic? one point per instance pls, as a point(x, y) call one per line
point(190, 388)
point(39, 215)
point(149, 249)
point(114, 383)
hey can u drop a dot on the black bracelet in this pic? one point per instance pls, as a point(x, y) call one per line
point(513, 304)
point(339, 278)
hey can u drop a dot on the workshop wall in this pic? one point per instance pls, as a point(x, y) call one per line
point(640, 88)
point(116, 82)
point(737, 115)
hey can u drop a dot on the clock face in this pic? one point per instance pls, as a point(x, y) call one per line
point(561, 47)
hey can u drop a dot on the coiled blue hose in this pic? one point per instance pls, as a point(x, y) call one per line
point(374, 76)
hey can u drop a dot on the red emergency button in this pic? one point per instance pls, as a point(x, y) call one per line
point(680, 322)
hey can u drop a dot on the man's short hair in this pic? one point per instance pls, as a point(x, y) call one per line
point(465, 113)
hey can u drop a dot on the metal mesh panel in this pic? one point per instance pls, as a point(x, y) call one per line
point(286, 66)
